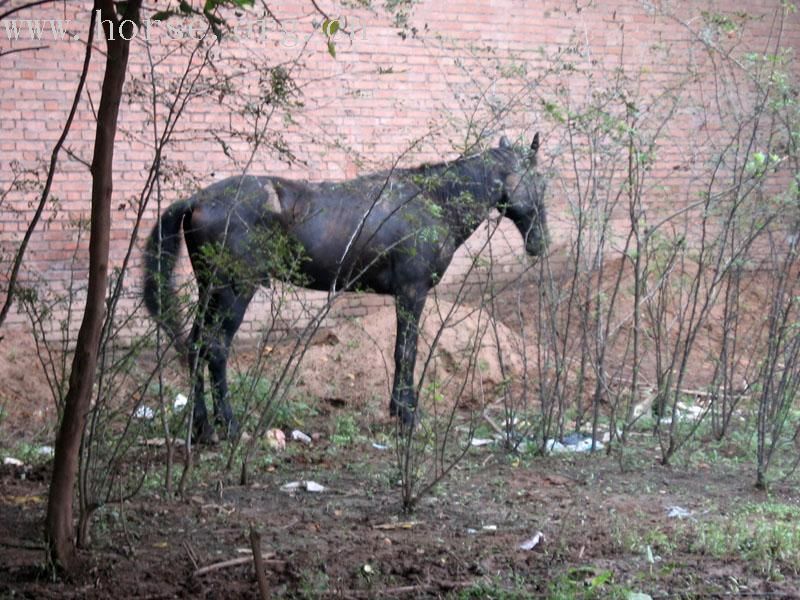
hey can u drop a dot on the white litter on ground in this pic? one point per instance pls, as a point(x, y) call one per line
point(144, 412)
point(307, 486)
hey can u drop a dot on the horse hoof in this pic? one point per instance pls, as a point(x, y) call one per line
point(205, 435)
point(230, 431)
point(405, 414)
point(406, 419)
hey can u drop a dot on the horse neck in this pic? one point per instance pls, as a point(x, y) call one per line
point(464, 216)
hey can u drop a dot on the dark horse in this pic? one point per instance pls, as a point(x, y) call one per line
point(393, 233)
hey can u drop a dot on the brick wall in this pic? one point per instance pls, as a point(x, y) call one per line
point(451, 70)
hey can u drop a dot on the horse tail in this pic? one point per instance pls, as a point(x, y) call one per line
point(161, 255)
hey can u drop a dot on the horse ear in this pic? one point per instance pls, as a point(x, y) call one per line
point(535, 144)
point(504, 143)
point(533, 153)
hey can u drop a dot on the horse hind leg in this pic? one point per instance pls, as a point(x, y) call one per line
point(230, 310)
point(202, 431)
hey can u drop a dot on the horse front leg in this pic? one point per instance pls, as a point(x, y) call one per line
point(404, 399)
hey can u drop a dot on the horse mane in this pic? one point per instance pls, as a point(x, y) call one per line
point(475, 173)
point(466, 173)
point(492, 156)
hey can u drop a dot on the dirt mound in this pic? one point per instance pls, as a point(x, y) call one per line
point(458, 348)
point(27, 409)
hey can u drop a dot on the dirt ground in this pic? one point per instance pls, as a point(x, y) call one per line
point(353, 540)
point(607, 523)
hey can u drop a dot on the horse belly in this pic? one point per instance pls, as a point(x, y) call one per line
point(370, 275)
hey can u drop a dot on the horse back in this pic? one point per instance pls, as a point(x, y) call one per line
point(370, 229)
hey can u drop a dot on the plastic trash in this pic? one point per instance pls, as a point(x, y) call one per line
point(586, 445)
point(532, 542)
point(180, 402)
point(307, 486)
point(144, 412)
point(678, 512)
point(481, 441)
point(378, 446)
point(574, 442)
point(692, 413)
point(13, 462)
point(299, 436)
point(555, 447)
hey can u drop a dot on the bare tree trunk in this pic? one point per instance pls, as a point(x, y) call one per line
point(59, 526)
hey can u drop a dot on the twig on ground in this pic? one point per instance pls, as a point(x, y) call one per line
point(493, 424)
point(420, 588)
point(233, 562)
point(191, 553)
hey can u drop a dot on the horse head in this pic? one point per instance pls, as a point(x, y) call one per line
point(522, 198)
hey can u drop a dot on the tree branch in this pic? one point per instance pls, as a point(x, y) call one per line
point(15, 50)
point(17, 9)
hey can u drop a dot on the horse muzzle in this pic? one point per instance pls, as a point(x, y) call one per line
point(536, 245)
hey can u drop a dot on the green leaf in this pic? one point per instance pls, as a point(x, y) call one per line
point(163, 15)
point(330, 27)
point(212, 4)
point(331, 48)
point(185, 7)
point(601, 579)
